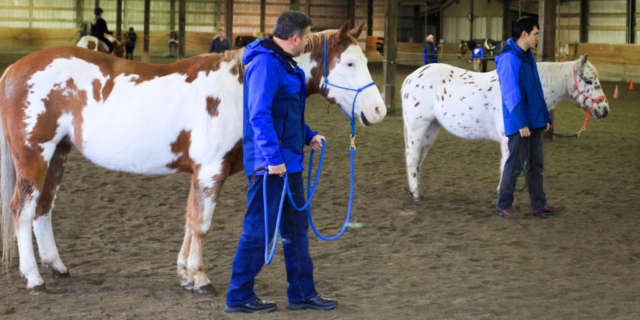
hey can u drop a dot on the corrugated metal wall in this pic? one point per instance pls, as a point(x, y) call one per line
point(496, 28)
point(568, 22)
point(479, 27)
point(607, 22)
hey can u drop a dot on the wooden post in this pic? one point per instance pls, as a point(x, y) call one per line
point(417, 32)
point(471, 21)
point(351, 12)
point(369, 18)
point(631, 21)
point(216, 15)
point(146, 57)
point(426, 24)
point(584, 20)
point(30, 14)
point(547, 43)
point(309, 8)
point(390, 52)
point(506, 25)
point(182, 25)
point(119, 20)
point(97, 4)
point(79, 12)
point(172, 15)
point(228, 20)
point(263, 12)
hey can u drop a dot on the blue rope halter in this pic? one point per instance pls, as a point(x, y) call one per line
point(268, 257)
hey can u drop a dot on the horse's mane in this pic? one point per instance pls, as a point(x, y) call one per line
point(229, 56)
point(316, 40)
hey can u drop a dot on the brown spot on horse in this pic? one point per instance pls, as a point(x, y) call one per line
point(180, 148)
point(212, 106)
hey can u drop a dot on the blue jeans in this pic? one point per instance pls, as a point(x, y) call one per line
point(534, 174)
point(294, 227)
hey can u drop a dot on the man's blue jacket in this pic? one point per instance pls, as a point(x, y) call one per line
point(274, 130)
point(522, 96)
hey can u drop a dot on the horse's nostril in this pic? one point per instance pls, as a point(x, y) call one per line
point(378, 110)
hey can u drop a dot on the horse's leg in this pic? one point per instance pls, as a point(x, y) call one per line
point(186, 281)
point(30, 173)
point(417, 143)
point(42, 223)
point(202, 201)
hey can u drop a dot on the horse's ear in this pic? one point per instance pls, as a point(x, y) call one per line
point(582, 62)
point(342, 33)
point(355, 32)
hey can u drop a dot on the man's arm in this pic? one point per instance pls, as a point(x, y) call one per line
point(308, 134)
point(508, 73)
point(263, 89)
point(212, 46)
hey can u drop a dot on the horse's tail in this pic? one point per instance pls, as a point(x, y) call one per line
point(7, 187)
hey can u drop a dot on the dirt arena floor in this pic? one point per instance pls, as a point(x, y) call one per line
point(447, 257)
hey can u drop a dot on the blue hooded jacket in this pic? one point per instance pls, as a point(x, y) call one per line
point(429, 52)
point(478, 53)
point(274, 130)
point(522, 96)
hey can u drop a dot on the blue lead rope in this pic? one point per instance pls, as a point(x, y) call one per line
point(268, 257)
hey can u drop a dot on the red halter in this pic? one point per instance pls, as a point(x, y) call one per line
point(588, 114)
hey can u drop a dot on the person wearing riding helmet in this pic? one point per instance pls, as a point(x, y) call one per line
point(99, 28)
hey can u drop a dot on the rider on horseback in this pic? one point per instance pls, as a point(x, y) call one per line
point(99, 28)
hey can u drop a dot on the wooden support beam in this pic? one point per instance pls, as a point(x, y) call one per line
point(263, 11)
point(294, 5)
point(547, 43)
point(351, 12)
point(172, 15)
point(146, 57)
point(369, 17)
point(79, 12)
point(417, 31)
point(308, 10)
point(390, 54)
point(30, 14)
point(471, 3)
point(96, 4)
point(182, 28)
point(584, 20)
point(119, 20)
point(506, 25)
point(228, 20)
point(631, 21)
point(216, 15)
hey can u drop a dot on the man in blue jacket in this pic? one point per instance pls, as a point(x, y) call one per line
point(525, 118)
point(274, 136)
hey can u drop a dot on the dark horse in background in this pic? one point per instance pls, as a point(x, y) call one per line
point(490, 45)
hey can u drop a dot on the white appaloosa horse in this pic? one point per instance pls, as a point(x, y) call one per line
point(469, 105)
point(126, 116)
point(93, 43)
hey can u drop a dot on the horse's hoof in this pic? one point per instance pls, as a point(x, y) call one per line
point(206, 289)
point(187, 285)
point(38, 290)
point(417, 199)
point(57, 274)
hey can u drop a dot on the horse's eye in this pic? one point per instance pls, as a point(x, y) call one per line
point(350, 64)
point(588, 81)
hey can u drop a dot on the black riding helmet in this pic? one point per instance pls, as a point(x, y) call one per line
point(97, 11)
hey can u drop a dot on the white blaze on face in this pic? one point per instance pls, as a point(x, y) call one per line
point(351, 71)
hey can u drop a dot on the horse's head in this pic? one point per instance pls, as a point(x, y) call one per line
point(584, 87)
point(118, 49)
point(462, 49)
point(346, 68)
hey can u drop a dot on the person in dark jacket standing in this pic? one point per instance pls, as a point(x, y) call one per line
point(130, 44)
point(99, 28)
point(274, 136)
point(525, 118)
point(430, 50)
point(220, 43)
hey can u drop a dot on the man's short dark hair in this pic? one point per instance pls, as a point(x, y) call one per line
point(524, 24)
point(291, 23)
point(130, 28)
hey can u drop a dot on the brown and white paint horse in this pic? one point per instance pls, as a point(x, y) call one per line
point(125, 116)
point(93, 43)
